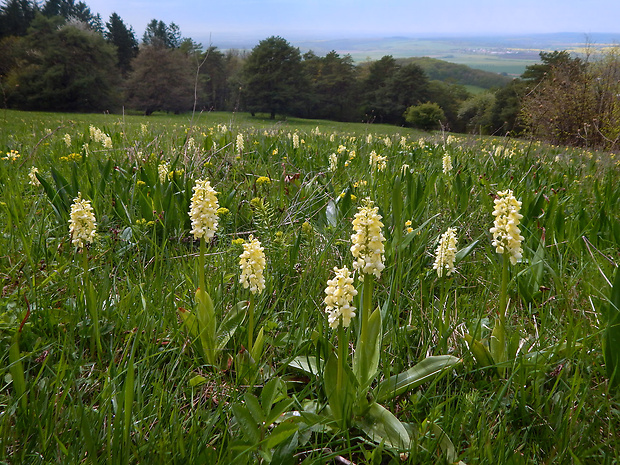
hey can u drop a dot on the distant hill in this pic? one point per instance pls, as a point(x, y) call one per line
point(507, 55)
point(459, 74)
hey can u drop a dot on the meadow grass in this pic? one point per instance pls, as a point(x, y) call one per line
point(100, 365)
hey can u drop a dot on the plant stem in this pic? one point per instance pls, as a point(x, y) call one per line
point(343, 350)
point(504, 289)
point(340, 357)
point(366, 306)
point(91, 307)
point(201, 265)
point(251, 325)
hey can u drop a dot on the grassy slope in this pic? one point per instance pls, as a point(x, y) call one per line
point(147, 395)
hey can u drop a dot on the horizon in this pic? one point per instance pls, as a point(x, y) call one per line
point(254, 20)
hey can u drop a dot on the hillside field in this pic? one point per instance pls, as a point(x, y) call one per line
point(335, 293)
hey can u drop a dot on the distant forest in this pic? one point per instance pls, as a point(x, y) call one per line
point(61, 56)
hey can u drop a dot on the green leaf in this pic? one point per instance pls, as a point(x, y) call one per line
point(190, 321)
point(427, 370)
point(272, 392)
point(16, 368)
point(253, 405)
point(465, 251)
point(257, 348)
point(340, 400)
point(480, 352)
point(230, 323)
point(331, 213)
point(538, 263)
point(382, 427)
point(368, 352)
point(497, 342)
point(409, 237)
point(293, 253)
point(344, 202)
point(446, 444)
point(197, 381)
point(397, 209)
point(307, 364)
point(280, 434)
point(105, 175)
point(206, 324)
point(278, 410)
point(58, 205)
point(246, 423)
point(63, 188)
point(128, 403)
point(283, 454)
point(611, 335)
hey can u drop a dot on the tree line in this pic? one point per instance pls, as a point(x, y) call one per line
point(60, 56)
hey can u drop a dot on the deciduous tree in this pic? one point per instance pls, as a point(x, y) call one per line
point(66, 68)
point(333, 86)
point(425, 116)
point(273, 78)
point(162, 79)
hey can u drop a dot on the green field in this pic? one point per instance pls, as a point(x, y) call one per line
point(142, 344)
point(497, 58)
point(500, 54)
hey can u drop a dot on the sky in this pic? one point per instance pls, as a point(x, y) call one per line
point(328, 19)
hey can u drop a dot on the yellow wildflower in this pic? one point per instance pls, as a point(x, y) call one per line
point(506, 233)
point(252, 263)
point(82, 224)
point(368, 248)
point(377, 162)
point(447, 163)
point(240, 143)
point(306, 228)
point(34, 181)
point(203, 210)
point(446, 253)
point(12, 155)
point(333, 162)
point(340, 292)
point(162, 170)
